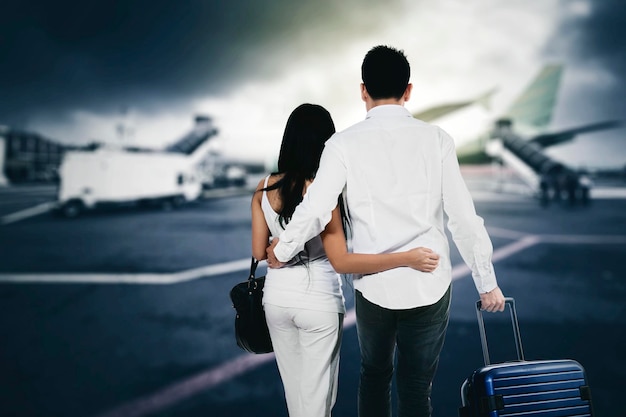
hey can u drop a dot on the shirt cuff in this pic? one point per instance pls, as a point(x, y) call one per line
point(485, 279)
point(284, 251)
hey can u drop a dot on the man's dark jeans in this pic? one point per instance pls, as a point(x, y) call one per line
point(419, 334)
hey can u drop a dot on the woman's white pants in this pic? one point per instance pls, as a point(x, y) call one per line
point(306, 344)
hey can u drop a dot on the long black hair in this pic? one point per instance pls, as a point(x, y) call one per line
point(308, 128)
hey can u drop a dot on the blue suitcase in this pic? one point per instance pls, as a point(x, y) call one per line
point(546, 388)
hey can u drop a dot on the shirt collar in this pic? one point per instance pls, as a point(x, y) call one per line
point(388, 110)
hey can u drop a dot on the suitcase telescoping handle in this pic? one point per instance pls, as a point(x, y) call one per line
point(516, 333)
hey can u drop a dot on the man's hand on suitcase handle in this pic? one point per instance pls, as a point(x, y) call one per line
point(492, 301)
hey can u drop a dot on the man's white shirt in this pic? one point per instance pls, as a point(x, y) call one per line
point(400, 175)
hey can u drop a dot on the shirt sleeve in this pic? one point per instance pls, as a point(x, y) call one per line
point(314, 212)
point(467, 228)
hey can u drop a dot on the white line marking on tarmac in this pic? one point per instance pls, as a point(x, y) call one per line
point(181, 390)
point(512, 248)
point(584, 239)
point(608, 193)
point(45, 207)
point(141, 278)
point(506, 233)
point(18, 200)
point(243, 264)
point(43, 189)
point(29, 212)
point(153, 278)
point(188, 387)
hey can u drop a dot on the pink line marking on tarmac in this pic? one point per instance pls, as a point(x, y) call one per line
point(186, 388)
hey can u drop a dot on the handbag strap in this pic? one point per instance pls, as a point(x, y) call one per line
point(253, 264)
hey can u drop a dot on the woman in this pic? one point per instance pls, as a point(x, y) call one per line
point(303, 301)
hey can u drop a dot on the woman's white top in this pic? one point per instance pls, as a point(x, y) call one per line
point(308, 281)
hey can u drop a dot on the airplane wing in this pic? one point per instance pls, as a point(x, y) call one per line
point(436, 112)
point(550, 139)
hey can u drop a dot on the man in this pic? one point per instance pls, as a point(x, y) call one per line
point(400, 176)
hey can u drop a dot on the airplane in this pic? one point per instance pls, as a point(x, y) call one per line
point(427, 115)
point(112, 175)
point(518, 140)
point(436, 112)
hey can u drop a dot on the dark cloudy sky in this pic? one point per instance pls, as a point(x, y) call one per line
point(98, 54)
point(73, 69)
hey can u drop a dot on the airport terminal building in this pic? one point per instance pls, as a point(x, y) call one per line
point(28, 157)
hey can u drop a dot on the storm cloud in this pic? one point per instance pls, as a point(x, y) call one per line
point(69, 68)
point(591, 40)
point(99, 55)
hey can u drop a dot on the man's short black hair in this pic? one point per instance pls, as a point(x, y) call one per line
point(385, 72)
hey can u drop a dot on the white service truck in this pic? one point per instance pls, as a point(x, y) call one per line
point(115, 175)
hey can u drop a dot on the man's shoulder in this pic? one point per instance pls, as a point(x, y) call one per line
point(363, 124)
point(371, 125)
point(355, 130)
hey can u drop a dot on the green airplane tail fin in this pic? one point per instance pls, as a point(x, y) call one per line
point(533, 109)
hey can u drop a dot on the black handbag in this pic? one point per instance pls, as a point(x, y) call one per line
point(250, 326)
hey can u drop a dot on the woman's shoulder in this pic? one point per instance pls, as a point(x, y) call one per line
point(271, 180)
point(274, 178)
point(260, 185)
point(272, 195)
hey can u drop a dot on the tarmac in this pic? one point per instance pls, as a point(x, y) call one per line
point(125, 312)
